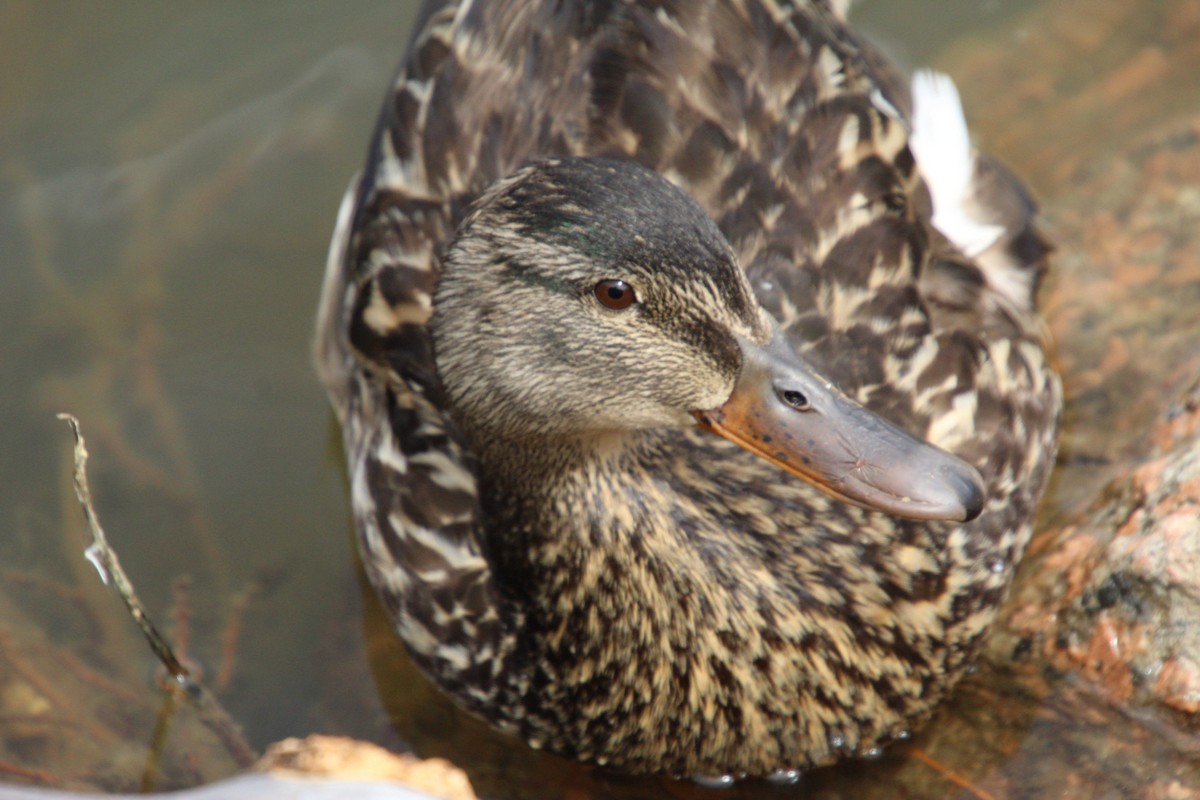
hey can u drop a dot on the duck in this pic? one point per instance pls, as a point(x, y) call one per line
point(694, 396)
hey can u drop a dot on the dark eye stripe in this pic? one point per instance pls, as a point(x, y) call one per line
point(614, 294)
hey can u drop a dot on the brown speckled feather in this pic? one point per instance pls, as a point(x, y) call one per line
point(750, 623)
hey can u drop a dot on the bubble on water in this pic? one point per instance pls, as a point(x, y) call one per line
point(714, 781)
point(784, 777)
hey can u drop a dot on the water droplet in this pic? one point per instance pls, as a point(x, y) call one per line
point(904, 736)
point(837, 741)
point(784, 777)
point(873, 753)
point(92, 554)
point(714, 781)
point(997, 565)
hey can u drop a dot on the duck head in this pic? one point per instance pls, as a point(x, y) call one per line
point(586, 299)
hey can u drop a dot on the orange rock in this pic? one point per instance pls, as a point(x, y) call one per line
point(1179, 684)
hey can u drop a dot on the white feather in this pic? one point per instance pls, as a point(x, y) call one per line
point(941, 145)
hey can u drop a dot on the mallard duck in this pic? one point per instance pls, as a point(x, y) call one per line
point(591, 235)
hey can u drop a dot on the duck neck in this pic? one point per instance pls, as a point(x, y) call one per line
point(565, 516)
point(544, 484)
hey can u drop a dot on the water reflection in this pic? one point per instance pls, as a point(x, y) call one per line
point(253, 137)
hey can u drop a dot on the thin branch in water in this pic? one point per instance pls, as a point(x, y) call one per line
point(46, 686)
point(158, 742)
point(86, 674)
point(183, 619)
point(105, 560)
point(949, 774)
point(35, 775)
point(233, 630)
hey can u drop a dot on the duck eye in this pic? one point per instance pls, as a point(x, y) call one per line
point(614, 294)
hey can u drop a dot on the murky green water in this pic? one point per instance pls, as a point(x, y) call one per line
point(170, 177)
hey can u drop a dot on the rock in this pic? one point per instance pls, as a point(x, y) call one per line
point(1127, 615)
point(348, 759)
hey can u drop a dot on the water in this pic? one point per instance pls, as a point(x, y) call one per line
point(170, 177)
point(715, 781)
point(170, 180)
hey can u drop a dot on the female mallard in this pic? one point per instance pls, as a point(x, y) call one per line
point(588, 235)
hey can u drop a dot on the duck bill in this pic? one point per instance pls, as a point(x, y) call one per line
point(782, 410)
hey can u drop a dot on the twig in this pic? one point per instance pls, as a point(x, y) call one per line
point(949, 774)
point(105, 560)
point(88, 675)
point(36, 775)
point(183, 617)
point(162, 724)
point(46, 686)
point(113, 638)
point(233, 630)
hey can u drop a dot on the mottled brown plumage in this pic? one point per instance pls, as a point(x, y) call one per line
point(562, 553)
